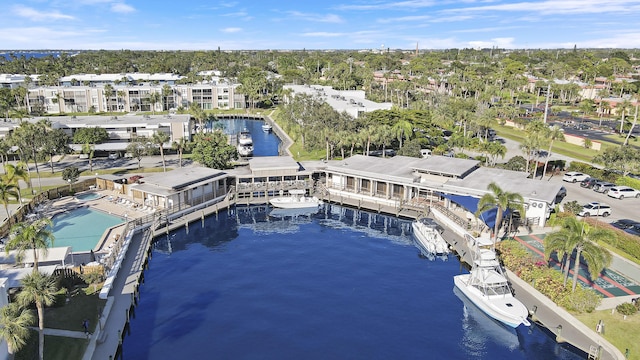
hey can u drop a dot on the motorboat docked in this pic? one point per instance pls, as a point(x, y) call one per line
point(296, 199)
point(245, 150)
point(477, 325)
point(266, 127)
point(429, 236)
point(244, 138)
point(488, 288)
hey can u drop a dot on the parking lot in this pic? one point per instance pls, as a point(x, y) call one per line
point(621, 209)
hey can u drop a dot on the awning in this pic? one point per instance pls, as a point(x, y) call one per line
point(470, 203)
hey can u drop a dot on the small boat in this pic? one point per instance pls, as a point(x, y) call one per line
point(429, 237)
point(244, 138)
point(267, 127)
point(296, 199)
point(488, 288)
point(245, 150)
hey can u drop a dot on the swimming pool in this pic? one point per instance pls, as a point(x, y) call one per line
point(81, 228)
point(86, 196)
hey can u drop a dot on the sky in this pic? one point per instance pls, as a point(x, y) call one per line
point(313, 24)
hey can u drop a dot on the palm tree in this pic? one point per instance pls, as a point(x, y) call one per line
point(502, 201)
point(154, 98)
point(35, 236)
point(553, 133)
point(181, 145)
point(562, 243)
point(580, 236)
point(403, 129)
point(14, 173)
point(622, 108)
point(635, 121)
point(14, 326)
point(120, 94)
point(40, 289)
point(537, 131)
point(7, 192)
point(159, 138)
point(198, 114)
point(108, 92)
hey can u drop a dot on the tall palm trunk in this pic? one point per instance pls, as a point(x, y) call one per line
point(546, 161)
point(576, 268)
point(40, 308)
point(567, 265)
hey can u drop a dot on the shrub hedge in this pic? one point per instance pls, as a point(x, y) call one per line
point(545, 279)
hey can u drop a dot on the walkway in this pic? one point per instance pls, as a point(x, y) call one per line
point(609, 284)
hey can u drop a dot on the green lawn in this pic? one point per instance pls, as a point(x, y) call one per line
point(623, 334)
point(559, 147)
point(84, 304)
point(55, 348)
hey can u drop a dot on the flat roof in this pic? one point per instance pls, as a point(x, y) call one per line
point(273, 163)
point(14, 276)
point(404, 167)
point(507, 180)
point(182, 177)
point(54, 254)
point(444, 165)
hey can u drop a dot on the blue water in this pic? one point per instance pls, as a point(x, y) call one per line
point(264, 144)
point(339, 284)
point(35, 54)
point(81, 228)
point(88, 196)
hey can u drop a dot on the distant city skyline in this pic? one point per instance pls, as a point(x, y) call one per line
point(329, 24)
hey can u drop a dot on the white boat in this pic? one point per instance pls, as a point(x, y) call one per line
point(428, 236)
point(478, 326)
point(245, 150)
point(244, 138)
point(266, 127)
point(488, 288)
point(295, 200)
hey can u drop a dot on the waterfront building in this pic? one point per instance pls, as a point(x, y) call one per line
point(407, 182)
point(122, 130)
point(352, 102)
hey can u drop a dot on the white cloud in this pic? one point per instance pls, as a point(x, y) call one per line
point(559, 7)
point(231, 30)
point(404, 19)
point(404, 5)
point(36, 15)
point(322, 34)
point(328, 18)
point(122, 8)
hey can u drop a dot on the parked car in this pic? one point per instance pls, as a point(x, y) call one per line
point(562, 193)
point(114, 156)
point(595, 209)
point(589, 182)
point(634, 230)
point(574, 176)
point(603, 187)
point(624, 224)
point(621, 192)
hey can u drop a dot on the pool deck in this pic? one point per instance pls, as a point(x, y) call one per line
point(102, 204)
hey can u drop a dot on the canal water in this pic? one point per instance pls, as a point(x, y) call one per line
point(336, 283)
point(264, 143)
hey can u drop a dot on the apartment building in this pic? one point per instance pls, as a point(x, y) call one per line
point(131, 93)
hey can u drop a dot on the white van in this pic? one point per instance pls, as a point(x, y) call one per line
point(425, 153)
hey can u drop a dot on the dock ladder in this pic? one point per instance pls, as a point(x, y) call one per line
point(594, 352)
